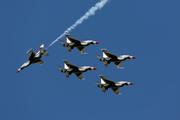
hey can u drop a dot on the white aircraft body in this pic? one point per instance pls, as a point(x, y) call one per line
point(106, 83)
point(34, 58)
point(78, 71)
point(80, 45)
point(109, 57)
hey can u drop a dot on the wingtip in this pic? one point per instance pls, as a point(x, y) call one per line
point(96, 82)
point(120, 67)
point(64, 60)
point(101, 75)
point(84, 53)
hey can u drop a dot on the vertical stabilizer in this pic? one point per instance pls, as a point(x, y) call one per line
point(104, 55)
point(42, 46)
point(68, 41)
point(65, 66)
point(102, 81)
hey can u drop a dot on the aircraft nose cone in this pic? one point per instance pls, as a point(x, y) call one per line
point(131, 83)
point(133, 57)
point(97, 42)
point(94, 68)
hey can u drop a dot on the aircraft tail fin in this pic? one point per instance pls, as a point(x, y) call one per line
point(97, 83)
point(102, 59)
point(104, 54)
point(60, 67)
point(63, 70)
point(99, 56)
point(43, 51)
point(65, 44)
point(102, 81)
point(67, 39)
point(101, 86)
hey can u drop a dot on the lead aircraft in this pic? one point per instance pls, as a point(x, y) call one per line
point(80, 45)
point(109, 57)
point(78, 71)
point(106, 83)
point(34, 58)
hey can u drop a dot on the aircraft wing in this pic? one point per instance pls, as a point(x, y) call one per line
point(69, 64)
point(106, 80)
point(108, 53)
point(115, 90)
point(117, 64)
point(79, 75)
point(81, 49)
point(39, 61)
point(31, 54)
point(72, 39)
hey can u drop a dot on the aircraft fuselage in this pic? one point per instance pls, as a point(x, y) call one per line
point(81, 44)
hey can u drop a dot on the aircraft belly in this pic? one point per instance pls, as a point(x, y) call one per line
point(26, 64)
point(112, 86)
point(114, 60)
point(77, 45)
point(34, 60)
point(75, 71)
point(119, 85)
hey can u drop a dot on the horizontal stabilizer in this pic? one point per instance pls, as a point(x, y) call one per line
point(64, 71)
point(62, 41)
point(99, 56)
point(101, 86)
point(97, 82)
point(60, 67)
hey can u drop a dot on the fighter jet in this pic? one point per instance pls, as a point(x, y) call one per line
point(109, 57)
point(106, 83)
point(78, 71)
point(34, 58)
point(80, 45)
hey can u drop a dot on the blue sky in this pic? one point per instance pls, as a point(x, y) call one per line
point(148, 30)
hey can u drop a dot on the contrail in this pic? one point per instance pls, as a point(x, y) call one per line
point(90, 12)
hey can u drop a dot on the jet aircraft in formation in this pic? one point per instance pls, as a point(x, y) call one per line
point(109, 57)
point(106, 83)
point(34, 58)
point(78, 71)
point(80, 45)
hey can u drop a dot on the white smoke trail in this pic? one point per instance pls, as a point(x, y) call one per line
point(90, 12)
